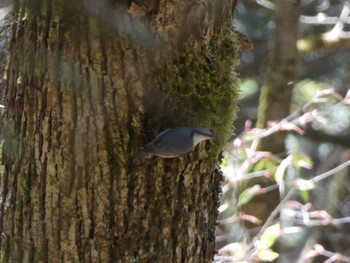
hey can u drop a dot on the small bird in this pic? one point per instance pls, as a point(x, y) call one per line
point(174, 142)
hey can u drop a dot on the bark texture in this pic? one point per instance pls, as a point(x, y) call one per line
point(88, 84)
point(276, 94)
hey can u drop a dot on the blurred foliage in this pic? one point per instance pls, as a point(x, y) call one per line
point(318, 140)
point(287, 225)
point(248, 87)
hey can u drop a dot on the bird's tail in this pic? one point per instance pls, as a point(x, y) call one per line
point(143, 155)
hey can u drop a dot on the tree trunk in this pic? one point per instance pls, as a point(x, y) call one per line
point(276, 94)
point(88, 84)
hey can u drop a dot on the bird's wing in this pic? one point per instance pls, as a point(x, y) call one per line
point(160, 137)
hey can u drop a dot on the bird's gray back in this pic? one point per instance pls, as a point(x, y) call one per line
point(177, 141)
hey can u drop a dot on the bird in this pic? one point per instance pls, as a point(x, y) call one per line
point(174, 142)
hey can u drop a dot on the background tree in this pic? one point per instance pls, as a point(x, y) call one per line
point(276, 93)
point(88, 84)
point(317, 130)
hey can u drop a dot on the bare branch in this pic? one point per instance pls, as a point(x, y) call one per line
point(330, 172)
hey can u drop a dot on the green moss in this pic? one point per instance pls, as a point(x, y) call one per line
point(263, 104)
point(201, 87)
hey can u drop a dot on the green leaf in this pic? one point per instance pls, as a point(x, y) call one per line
point(269, 237)
point(301, 160)
point(267, 163)
point(305, 195)
point(271, 166)
point(267, 255)
point(259, 166)
point(304, 187)
point(248, 195)
point(224, 162)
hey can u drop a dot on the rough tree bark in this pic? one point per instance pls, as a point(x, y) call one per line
point(88, 84)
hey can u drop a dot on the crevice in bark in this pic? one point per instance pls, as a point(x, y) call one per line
point(72, 145)
point(59, 223)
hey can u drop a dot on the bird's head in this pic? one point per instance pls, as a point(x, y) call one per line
point(201, 134)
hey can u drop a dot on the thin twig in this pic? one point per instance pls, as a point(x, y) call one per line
point(330, 172)
point(275, 212)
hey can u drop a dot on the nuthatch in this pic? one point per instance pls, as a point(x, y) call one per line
point(174, 142)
